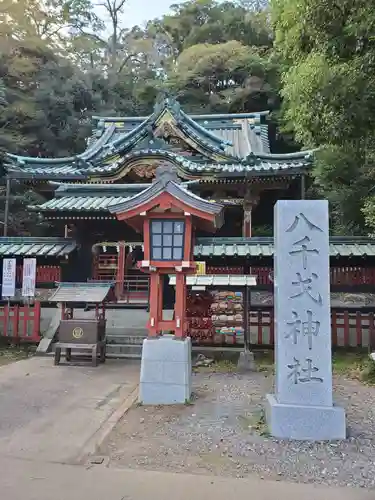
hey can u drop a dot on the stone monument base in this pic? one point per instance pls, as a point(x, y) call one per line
point(311, 423)
point(246, 362)
point(165, 371)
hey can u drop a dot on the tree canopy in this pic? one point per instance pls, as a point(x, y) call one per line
point(311, 62)
point(327, 50)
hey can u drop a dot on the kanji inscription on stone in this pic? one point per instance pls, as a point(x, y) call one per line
point(298, 329)
point(302, 248)
point(302, 375)
point(305, 286)
point(300, 218)
point(302, 303)
point(302, 405)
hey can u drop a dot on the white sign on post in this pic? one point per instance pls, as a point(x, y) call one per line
point(9, 278)
point(302, 407)
point(29, 277)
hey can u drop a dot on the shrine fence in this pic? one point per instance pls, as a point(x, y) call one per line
point(350, 328)
point(20, 322)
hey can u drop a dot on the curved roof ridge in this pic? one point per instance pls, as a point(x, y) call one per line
point(212, 116)
point(134, 132)
point(93, 149)
point(87, 155)
point(190, 127)
point(305, 154)
point(206, 132)
point(36, 159)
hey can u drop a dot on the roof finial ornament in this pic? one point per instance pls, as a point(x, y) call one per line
point(166, 172)
point(251, 159)
point(166, 100)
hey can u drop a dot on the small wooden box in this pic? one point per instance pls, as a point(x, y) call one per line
point(82, 331)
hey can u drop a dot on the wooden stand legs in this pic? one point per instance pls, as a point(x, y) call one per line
point(95, 349)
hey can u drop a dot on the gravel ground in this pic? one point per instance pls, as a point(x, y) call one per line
point(223, 433)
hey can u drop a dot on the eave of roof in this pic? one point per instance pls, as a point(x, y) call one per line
point(212, 134)
point(79, 204)
point(254, 163)
point(175, 190)
point(107, 144)
point(33, 247)
point(211, 117)
point(204, 247)
point(264, 247)
point(81, 292)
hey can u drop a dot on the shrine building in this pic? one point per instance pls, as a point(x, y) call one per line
point(221, 158)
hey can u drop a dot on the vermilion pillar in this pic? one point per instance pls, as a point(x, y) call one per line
point(120, 275)
point(246, 228)
point(156, 305)
point(180, 305)
point(249, 203)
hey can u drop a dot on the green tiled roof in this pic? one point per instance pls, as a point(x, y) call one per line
point(229, 128)
point(204, 247)
point(33, 247)
point(257, 165)
point(241, 141)
point(81, 292)
point(263, 247)
point(80, 203)
point(89, 197)
point(99, 197)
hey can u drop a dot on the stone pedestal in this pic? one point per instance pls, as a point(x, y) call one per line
point(302, 407)
point(166, 371)
point(313, 423)
point(246, 362)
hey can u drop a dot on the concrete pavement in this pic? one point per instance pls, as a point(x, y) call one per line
point(52, 417)
point(26, 480)
point(57, 413)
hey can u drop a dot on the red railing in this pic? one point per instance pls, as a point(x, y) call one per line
point(44, 274)
point(347, 275)
point(21, 322)
point(132, 290)
point(352, 275)
point(349, 328)
point(105, 267)
point(264, 275)
point(136, 290)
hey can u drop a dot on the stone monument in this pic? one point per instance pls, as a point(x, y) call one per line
point(302, 406)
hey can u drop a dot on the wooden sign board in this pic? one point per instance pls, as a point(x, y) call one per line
point(201, 268)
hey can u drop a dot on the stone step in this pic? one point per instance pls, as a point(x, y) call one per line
point(132, 351)
point(125, 339)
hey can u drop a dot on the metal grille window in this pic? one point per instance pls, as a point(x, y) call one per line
point(167, 239)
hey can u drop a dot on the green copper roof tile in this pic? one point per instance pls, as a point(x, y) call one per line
point(241, 141)
point(81, 292)
point(204, 247)
point(263, 247)
point(33, 247)
point(80, 203)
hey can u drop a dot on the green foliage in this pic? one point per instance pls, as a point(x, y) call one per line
point(61, 62)
point(327, 50)
point(209, 21)
point(218, 55)
point(21, 221)
point(224, 77)
point(354, 365)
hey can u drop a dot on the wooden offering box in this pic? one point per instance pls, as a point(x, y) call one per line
point(82, 333)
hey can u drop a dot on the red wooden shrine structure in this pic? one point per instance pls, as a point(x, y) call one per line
point(21, 322)
point(166, 214)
